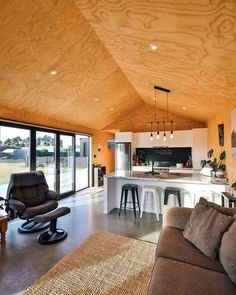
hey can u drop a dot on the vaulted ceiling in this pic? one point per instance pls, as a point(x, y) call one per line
point(105, 67)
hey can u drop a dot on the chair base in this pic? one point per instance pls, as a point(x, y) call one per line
point(31, 226)
point(50, 237)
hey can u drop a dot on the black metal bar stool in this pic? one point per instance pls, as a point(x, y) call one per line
point(174, 191)
point(133, 188)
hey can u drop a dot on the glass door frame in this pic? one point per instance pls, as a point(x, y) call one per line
point(33, 129)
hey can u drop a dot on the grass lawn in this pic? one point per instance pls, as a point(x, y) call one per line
point(7, 167)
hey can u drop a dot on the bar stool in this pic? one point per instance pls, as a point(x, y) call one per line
point(172, 191)
point(133, 188)
point(152, 190)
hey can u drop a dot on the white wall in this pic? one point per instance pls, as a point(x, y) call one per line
point(200, 146)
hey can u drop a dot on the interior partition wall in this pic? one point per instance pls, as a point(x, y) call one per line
point(62, 156)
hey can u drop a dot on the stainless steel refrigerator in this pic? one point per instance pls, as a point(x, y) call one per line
point(123, 156)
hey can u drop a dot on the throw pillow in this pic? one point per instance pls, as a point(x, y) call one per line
point(228, 252)
point(205, 229)
point(223, 210)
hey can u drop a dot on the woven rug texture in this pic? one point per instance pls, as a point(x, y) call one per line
point(105, 263)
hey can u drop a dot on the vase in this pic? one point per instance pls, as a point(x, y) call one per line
point(219, 174)
point(234, 193)
point(213, 173)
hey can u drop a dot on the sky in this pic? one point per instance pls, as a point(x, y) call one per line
point(8, 132)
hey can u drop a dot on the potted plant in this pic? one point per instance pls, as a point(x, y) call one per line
point(220, 166)
point(217, 166)
point(234, 189)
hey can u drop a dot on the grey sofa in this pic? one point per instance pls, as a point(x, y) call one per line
point(180, 268)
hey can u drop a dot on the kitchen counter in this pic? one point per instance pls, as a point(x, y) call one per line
point(191, 185)
point(171, 169)
point(168, 177)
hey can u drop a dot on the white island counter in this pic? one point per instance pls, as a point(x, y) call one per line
point(191, 185)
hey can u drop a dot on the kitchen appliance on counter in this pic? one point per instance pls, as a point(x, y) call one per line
point(123, 156)
point(179, 165)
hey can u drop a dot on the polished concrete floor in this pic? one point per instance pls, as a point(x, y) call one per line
point(23, 260)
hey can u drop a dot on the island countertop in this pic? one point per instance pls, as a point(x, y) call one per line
point(192, 187)
point(167, 177)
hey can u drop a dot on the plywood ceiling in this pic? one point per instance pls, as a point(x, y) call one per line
point(139, 121)
point(100, 49)
point(38, 36)
point(196, 58)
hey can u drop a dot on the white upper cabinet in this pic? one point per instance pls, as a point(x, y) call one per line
point(124, 137)
point(183, 138)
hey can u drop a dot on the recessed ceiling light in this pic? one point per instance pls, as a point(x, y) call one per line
point(53, 72)
point(96, 99)
point(154, 98)
point(112, 109)
point(184, 108)
point(153, 46)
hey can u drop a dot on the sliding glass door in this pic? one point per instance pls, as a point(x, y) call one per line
point(62, 156)
point(66, 163)
point(46, 156)
point(81, 161)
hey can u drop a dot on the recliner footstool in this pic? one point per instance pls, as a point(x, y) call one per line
point(53, 234)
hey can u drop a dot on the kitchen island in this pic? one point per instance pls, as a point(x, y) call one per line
point(192, 187)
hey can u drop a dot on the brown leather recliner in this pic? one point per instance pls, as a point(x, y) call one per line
point(28, 195)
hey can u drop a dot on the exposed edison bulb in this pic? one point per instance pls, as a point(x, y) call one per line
point(164, 138)
point(171, 134)
point(53, 72)
point(153, 46)
point(158, 135)
point(151, 137)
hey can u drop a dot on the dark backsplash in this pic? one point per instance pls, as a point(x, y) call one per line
point(165, 157)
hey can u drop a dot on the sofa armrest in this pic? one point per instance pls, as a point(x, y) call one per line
point(177, 217)
point(16, 205)
point(51, 195)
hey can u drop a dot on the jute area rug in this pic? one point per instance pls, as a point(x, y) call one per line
point(105, 263)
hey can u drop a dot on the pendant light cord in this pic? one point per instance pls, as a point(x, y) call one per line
point(167, 107)
point(155, 106)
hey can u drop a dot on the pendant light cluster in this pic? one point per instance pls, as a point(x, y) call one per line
point(164, 123)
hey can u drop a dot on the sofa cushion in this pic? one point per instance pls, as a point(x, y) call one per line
point(205, 229)
point(173, 245)
point(228, 252)
point(223, 210)
point(171, 277)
